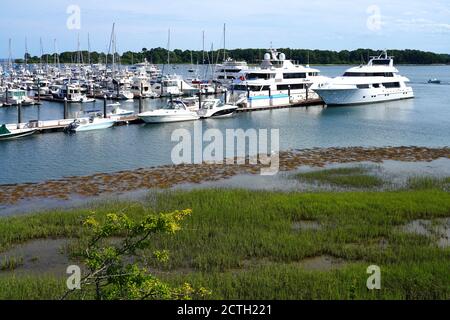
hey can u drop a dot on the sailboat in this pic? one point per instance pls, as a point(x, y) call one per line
point(192, 70)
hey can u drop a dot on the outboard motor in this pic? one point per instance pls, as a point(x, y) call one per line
point(71, 127)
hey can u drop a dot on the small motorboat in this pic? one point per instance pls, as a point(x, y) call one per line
point(215, 108)
point(8, 134)
point(434, 81)
point(94, 122)
point(174, 111)
point(119, 112)
point(116, 104)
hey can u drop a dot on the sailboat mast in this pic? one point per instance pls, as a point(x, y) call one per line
point(89, 49)
point(26, 53)
point(224, 41)
point(203, 48)
point(10, 62)
point(168, 50)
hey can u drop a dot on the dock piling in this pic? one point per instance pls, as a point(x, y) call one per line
point(19, 115)
point(6, 95)
point(65, 108)
point(104, 106)
point(39, 90)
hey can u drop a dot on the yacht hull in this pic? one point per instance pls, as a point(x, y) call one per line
point(362, 96)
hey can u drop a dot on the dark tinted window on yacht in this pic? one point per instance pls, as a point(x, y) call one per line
point(363, 86)
point(229, 70)
point(239, 87)
point(381, 62)
point(391, 85)
point(295, 86)
point(294, 75)
point(264, 76)
point(368, 74)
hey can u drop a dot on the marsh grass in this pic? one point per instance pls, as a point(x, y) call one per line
point(230, 227)
point(10, 263)
point(355, 177)
point(426, 183)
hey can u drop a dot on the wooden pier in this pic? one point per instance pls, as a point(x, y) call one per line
point(48, 126)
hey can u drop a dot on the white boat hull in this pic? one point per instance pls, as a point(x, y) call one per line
point(168, 118)
point(363, 96)
point(95, 126)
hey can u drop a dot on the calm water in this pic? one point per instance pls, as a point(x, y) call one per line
point(423, 121)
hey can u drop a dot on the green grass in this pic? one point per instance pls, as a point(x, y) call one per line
point(424, 183)
point(10, 263)
point(355, 177)
point(230, 227)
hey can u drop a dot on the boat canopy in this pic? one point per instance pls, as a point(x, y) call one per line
point(4, 130)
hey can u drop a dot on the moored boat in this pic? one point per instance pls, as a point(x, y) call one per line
point(214, 108)
point(377, 81)
point(89, 124)
point(174, 111)
point(8, 134)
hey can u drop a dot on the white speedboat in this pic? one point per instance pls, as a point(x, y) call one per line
point(214, 108)
point(174, 111)
point(375, 82)
point(89, 124)
point(119, 112)
point(8, 134)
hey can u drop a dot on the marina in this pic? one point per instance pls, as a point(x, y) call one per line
point(224, 151)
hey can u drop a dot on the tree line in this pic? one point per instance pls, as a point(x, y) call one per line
point(252, 56)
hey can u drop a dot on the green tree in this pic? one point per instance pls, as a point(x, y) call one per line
point(110, 277)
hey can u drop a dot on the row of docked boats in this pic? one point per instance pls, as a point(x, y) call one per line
point(277, 81)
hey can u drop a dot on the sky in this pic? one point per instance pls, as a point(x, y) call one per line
point(325, 24)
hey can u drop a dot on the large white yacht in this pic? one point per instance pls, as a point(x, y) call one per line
point(229, 71)
point(375, 82)
point(278, 81)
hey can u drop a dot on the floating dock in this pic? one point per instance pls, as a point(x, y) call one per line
point(47, 126)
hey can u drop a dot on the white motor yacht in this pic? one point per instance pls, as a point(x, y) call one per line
point(375, 82)
point(277, 82)
point(174, 111)
point(229, 70)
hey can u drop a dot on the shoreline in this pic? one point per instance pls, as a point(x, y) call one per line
point(168, 176)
